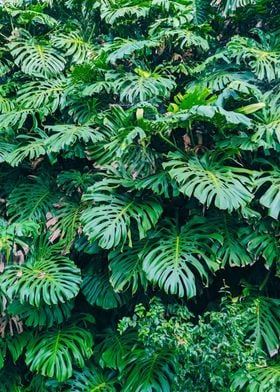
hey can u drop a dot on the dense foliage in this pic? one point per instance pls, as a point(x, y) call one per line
point(139, 195)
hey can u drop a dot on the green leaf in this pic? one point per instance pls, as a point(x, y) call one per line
point(65, 135)
point(16, 344)
point(211, 181)
point(35, 57)
point(115, 348)
point(47, 94)
point(74, 46)
point(141, 86)
point(233, 247)
point(116, 11)
point(124, 48)
point(263, 323)
point(271, 198)
point(98, 291)
point(149, 372)
point(47, 276)
point(126, 268)
point(53, 353)
point(109, 222)
point(42, 315)
point(257, 379)
point(32, 200)
point(174, 256)
point(261, 56)
point(91, 380)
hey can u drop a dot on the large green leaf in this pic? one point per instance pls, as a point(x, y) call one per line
point(47, 276)
point(211, 181)
point(261, 55)
point(66, 135)
point(32, 199)
point(117, 11)
point(175, 255)
point(263, 323)
point(233, 247)
point(35, 57)
point(149, 372)
point(257, 379)
point(126, 268)
point(98, 291)
point(110, 221)
point(74, 46)
point(47, 94)
point(53, 353)
point(91, 380)
point(115, 348)
point(43, 315)
point(262, 240)
point(271, 197)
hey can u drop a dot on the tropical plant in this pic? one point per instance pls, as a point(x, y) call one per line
point(139, 195)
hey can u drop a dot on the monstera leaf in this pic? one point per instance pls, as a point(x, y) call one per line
point(263, 323)
point(32, 199)
point(44, 315)
point(65, 135)
point(110, 221)
point(174, 256)
point(53, 353)
point(149, 372)
point(115, 348)
point(47, 276)
point(258, 378)
point(233, 249)
point(126, 268)
point(74, 46)
point(271, 197)
point(98, 291)
point(261, 55)
point(210, 181)
point(91, 380)
point(35, 57)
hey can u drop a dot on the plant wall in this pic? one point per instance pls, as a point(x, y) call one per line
point(139, 195)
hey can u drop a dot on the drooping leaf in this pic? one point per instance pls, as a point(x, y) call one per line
point(126, 268)
point(98, 291)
